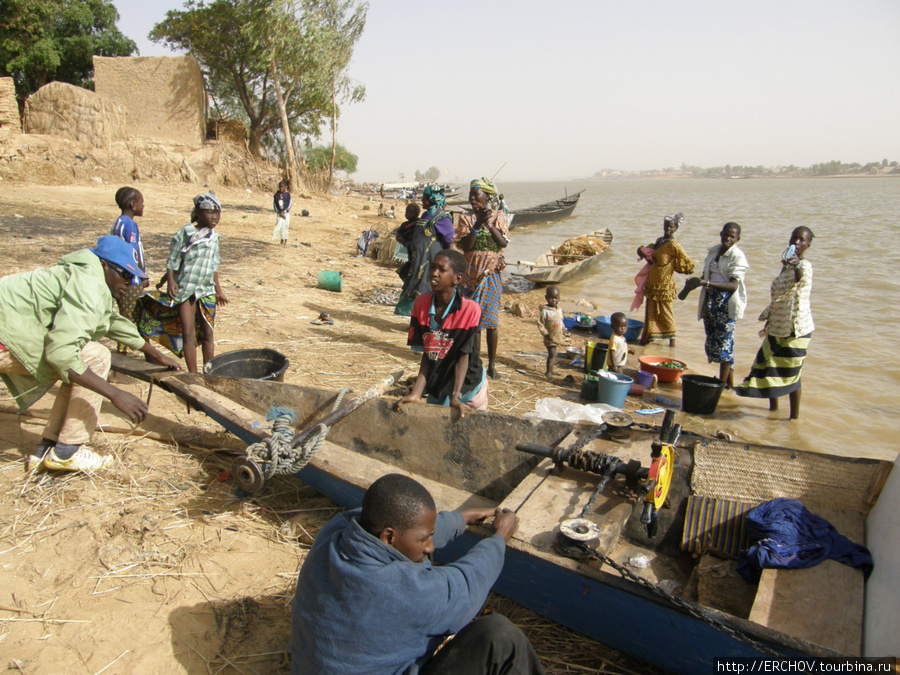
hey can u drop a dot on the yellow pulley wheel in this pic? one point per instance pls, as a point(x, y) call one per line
point(660, 476)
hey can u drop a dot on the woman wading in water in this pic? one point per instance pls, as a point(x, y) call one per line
point(664, 258)
point(788, 329)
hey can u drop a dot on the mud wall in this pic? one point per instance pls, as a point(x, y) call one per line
point(61, 109)
point(9, 110)
point(163, 96)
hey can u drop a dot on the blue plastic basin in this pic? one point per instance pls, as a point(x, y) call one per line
point(604, 328)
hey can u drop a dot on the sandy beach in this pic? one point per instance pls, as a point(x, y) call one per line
point(155, 566)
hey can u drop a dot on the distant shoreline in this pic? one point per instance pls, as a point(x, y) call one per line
point(638, 176)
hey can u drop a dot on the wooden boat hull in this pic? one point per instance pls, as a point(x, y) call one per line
point(472, 462)
point(544, 271)
point(543, 213)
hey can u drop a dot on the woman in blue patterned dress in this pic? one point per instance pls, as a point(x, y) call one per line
point(723, 298)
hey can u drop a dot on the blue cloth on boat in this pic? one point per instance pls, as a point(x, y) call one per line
point(361, 606)
point(784, 534)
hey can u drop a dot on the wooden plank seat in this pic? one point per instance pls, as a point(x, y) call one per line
point(821, 604)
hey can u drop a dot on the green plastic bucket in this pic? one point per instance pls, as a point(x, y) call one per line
point(589, 387)
point(331, 281)
point(613, 389)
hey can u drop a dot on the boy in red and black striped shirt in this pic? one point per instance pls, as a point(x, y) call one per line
point(444, 327)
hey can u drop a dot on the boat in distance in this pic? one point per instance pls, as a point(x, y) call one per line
point(473, 461)
point(543, 213)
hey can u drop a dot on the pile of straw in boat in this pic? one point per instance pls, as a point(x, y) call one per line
point(577, 249)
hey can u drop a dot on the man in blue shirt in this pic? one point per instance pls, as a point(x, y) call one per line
point(369, 600)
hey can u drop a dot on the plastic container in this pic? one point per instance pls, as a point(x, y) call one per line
point(700, 394)
point(254, 364)
point(331, 281)
point(604, 328)
point(589, 387)
point(644, 379)
point(595, 355)
point(613, 388)
point(649, 365)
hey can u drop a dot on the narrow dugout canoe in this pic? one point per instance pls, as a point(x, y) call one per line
point(544, 213)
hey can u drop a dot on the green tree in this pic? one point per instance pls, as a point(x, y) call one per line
point(433, 174)
point(46, 40)
point(340, 25)
point(326, 157)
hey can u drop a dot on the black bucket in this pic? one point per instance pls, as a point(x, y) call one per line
point(700, 394)
point(594, 355)
point(589, 387)
point(253, 364)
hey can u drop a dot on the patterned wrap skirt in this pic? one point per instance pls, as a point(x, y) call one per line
point(776, 370)
point(162, 323)
point(719, 328)
point(487, 294)
point(129, 308)
point(659, 319)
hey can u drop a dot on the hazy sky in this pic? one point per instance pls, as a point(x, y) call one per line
point(561, 90)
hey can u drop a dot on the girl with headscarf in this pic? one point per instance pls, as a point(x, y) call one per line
point(186, 313)
point(482, 234)
point(657, 286)
point(433, 232)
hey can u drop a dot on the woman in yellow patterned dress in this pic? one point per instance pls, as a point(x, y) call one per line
point(481, 235)
point(665, 257)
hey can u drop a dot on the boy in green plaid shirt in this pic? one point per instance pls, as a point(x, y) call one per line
point(185, 314)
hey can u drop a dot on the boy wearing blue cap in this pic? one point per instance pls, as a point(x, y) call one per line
point(50, 321)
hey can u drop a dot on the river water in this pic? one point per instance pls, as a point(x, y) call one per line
point(851, 379)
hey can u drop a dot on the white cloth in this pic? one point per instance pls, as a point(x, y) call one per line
point(282, 227)
point(732, 265)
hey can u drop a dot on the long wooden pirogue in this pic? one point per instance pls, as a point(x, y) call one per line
point(649, 597)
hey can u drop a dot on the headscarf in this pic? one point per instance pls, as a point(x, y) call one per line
point(434, 195)
point(677, 219)
point(205, 202)
point(486, 186)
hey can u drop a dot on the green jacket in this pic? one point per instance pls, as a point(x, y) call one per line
point(49, 314)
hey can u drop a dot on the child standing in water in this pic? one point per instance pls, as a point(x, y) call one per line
point(282, 202)
point(185, 314)
point(131, 203)
point(618, 351)
point(550, 323)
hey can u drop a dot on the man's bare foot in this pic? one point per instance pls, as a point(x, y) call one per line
point(550, 374)
point(492, 373)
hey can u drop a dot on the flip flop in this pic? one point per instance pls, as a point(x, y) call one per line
point(323, 320)
point(689, 285)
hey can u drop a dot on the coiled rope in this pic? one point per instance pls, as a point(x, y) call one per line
point(276, 455)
